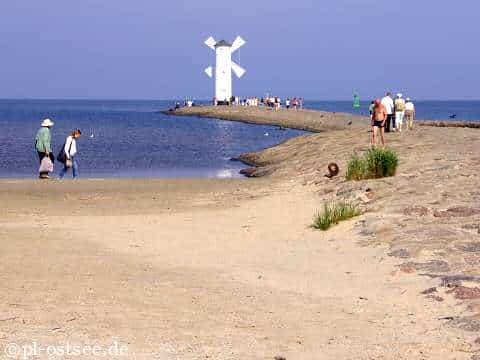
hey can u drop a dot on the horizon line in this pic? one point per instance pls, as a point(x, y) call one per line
point(200, 99)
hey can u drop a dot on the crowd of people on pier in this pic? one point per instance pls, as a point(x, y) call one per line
point(271, 102)
point(388, 115)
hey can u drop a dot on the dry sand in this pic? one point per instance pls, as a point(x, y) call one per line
point(229, 269)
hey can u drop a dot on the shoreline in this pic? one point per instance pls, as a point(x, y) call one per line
point(260, 163)
point(237, 260)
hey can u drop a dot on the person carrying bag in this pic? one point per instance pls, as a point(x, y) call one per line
point(43, 148)
point(67, 154)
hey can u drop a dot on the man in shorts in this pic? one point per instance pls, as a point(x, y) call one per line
point(379, 116)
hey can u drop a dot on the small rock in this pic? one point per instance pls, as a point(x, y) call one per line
point(469, 247)
point(456, 280)
point(400, 253)
point(416, 211)
point(429, 291)
point(458, 211)
point(433, 266)
point(465, 293)
point(280, 358)
point(248, 172)
point(435, 297)
point(466, 324)
point(471, 226)
point(407, 269)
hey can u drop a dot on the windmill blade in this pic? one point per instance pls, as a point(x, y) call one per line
point(238, 70)
point(210, 42)
point(209, 71)
point(238, 43)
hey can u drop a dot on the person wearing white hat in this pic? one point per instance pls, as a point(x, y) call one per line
point(399, 111)
point(409, 113)
point(43, 143)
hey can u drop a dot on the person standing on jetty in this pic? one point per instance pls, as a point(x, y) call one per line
point(294, 103)
point(69, 152)
point(43, 146)
point(387, 101)
point(409, 113)
point(379, 116)
point(399, 112)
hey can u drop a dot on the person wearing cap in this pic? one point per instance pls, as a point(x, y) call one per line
point(379, 116)
point(43, 143)
point(409, 113)
point(399, 111)
point(387, 101)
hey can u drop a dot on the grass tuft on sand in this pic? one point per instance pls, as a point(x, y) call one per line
point(333, 214)
point(373, 164)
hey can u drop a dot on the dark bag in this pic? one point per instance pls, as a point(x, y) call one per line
point(62, 156)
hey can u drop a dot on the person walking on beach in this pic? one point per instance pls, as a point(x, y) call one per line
point(387, 101)
point(379, 116)
point(399, 112)
point(294, 103)
point(409, 113)
point(43, 144)
point(287, 103)
point(69, 152)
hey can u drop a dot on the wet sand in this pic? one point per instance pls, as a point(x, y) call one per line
point(229, 269)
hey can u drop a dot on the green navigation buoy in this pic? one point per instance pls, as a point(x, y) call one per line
point(356, 101)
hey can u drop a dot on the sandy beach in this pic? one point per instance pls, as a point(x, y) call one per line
point(230, 269)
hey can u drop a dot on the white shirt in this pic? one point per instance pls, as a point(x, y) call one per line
point(388, 103)
point(73, 148)
point(409, 106)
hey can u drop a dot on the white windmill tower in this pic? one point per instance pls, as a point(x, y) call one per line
point(224, 66)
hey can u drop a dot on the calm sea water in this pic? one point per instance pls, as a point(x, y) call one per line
point(129, 139)
point(426, 110)
point(133, 139)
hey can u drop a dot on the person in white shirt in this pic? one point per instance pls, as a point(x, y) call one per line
point(387, 101)
point(409, 113)
point(399, 112)
point(70, 150)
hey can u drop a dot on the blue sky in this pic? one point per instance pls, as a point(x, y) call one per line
point(153, 49)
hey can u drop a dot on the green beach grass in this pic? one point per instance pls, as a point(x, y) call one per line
point(333, 214)
point(373, 164)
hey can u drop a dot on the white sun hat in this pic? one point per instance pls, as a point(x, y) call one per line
point(47, 123)
point(399, 95)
